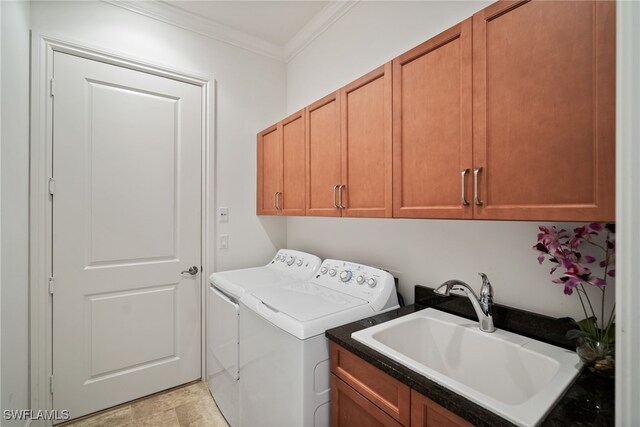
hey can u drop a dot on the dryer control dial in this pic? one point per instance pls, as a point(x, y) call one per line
point(324, 270)
point(372, 282)
point(291, 260)
point(345, 275)
point(360, 280)
point(299, 263)
point(332, 272)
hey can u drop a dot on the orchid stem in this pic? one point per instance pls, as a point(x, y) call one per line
point(593, 313)
point(586, 316)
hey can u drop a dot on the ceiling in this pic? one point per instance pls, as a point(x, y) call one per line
point(274, 21)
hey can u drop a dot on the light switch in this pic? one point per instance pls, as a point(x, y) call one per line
point(223, 214)
point(224, 241)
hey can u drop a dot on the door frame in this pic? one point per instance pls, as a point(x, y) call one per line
point(40, 210)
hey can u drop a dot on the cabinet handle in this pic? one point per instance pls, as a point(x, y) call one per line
point(340, 188)
point(476, 197)
point(278, 194)
point(275, 200)
point(335, 190)
point(464, 173)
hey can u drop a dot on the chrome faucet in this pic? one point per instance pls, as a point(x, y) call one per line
point(482, 305)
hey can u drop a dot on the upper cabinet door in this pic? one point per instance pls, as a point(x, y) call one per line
point(544, 110)
point(432, 127)
point(293, 165)
point(323, 156)
point(366, 145)
point(269, 171)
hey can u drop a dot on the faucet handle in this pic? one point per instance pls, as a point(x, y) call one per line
point(486, 290)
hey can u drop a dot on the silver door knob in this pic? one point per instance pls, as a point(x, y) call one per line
point(192, 271)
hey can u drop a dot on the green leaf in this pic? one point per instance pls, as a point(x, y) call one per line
point(610, 336)
point(588, 326)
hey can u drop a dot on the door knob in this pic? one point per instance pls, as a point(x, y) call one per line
point(192, 271)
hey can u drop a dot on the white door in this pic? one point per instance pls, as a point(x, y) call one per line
point(126, 222)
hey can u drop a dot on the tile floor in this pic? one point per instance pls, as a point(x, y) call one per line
point(190, 405)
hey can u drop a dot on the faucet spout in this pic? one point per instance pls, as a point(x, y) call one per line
point(483, 306)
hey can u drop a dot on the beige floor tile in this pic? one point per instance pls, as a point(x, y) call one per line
point(190, 406)
point(113, 418)
point(166, 418)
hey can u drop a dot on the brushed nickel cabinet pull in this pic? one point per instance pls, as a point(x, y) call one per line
point(335, 190)
point(476, 197)
point(464, 173)
point(340, 188)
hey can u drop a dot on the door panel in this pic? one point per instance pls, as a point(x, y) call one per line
point(323, 155)
point(544, 110)
point(293, 165)
point(150, 212)
point(366, 145)
point(126, 222)
point(269, 170)
point(432, 126)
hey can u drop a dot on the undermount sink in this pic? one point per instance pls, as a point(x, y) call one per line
point(515, 377)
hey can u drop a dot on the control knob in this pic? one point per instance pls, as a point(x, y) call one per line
point(324, 270)
point(345, 276)
point(372, 282)
point(360, 280)
point(299, 263)
point(291, 260)
point(332, 272)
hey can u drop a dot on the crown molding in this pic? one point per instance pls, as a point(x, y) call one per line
point(173, 15)
point(178, 17)
point(324, 19)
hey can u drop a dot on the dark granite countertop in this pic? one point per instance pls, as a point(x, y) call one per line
point(588, 402)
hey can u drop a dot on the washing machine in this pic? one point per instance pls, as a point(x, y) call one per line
point(226, 290)
point(285, 355)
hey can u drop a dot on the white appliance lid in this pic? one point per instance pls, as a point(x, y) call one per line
point(306, 301)
point(237, 282)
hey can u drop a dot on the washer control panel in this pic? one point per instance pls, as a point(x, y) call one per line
point(361, 281)
point(299, 264)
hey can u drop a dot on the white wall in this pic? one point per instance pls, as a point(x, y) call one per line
point(15, 207)
point(250, 96)
point(628, 205)
point(423, 251)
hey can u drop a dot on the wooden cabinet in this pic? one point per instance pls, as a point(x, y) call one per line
point(544, 110)
point(350, 408)
point(427, 413)
point(363, 395)
point(366, 145)
point(323, 156)
point(293, 165)
point(349, 166)
point(507, 115)
point(269, 170)
point(432, 127)
point(385, 392)
point(281, 168)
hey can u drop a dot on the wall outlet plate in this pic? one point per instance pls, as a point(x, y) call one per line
point(223, 214)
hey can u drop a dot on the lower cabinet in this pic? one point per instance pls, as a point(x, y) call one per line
point(425, 412)
point(363, 395)
point(350, 408)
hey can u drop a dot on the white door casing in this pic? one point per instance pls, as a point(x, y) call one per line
point(126, 222)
